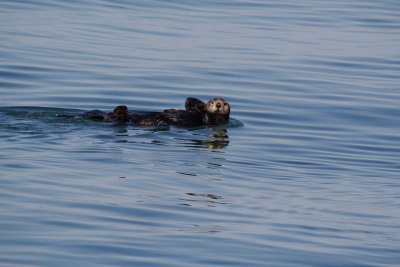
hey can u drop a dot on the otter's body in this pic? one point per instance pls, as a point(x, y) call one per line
point(196, 113)
point(183, 118)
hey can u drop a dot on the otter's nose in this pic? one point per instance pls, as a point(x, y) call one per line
point(218, 105)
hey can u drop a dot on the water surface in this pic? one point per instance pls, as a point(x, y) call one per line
point(306, 174)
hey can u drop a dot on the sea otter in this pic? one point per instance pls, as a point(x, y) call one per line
point(196, 113)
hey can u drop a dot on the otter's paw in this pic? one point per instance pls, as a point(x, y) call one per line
point(194, 105)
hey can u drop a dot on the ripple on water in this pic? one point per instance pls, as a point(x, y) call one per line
point(305, 173)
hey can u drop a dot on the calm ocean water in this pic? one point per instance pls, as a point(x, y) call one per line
point(306, 173)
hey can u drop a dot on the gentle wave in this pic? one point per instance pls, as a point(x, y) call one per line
point(305, 173)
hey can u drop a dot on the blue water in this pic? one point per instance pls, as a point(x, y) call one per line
point(305, 174)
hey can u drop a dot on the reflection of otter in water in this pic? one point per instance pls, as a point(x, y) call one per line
point(196, 113)
point(216, 140)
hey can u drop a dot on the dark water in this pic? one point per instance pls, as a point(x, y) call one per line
point(311, 178)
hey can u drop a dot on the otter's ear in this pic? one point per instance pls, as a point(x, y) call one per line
point(194, 105)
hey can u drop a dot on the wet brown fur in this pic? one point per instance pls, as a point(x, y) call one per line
point(196, 113)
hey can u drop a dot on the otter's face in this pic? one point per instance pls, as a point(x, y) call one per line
point(218, 106)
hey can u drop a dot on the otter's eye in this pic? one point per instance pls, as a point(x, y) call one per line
point(225, 104)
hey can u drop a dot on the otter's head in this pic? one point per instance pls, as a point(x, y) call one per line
point(218, 106)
